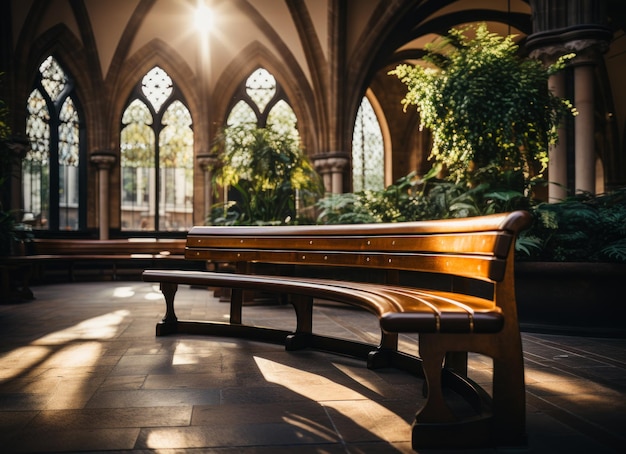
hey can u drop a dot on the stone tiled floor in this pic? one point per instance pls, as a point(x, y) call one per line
point(82, 371)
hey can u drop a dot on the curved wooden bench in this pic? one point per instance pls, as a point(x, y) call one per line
point(474, 310)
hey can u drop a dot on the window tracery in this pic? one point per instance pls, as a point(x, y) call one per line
point(51, 171)
point(368, 164)
point(156, 150)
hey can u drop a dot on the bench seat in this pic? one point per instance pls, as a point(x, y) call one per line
point(474, 311)
point(401, 309)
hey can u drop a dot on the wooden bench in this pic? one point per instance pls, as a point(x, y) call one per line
point(105, 255)
point(470, 308)
point(68, 256)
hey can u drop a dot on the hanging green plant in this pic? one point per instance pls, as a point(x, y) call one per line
point(486, 106)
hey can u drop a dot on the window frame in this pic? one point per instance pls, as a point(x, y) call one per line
point(157, 127)
point(54, 121)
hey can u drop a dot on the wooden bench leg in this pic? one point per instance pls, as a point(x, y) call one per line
point(436, 409)
point(303, 306)
point(382, 356)
point(169, 323)
point(499, 420)
point(236, 305)
point(509, 399)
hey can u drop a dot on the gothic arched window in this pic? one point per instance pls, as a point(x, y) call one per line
point(156, 157)
point(368, 151)
point(53, 171)
point(262, 102)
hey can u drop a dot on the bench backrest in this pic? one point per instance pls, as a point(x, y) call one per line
point(53, 246)
point(477, 248)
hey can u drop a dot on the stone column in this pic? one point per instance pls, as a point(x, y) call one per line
point(322, 167)
point(557, 154)
point(332, 167)
point(337, 166)
point(585, 172)
point(208, 163)
point(561, 27)
point(18, 147)
point(103, 160)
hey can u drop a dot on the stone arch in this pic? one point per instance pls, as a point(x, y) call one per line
point(297, 90)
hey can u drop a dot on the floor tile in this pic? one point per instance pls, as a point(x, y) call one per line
point(84, 374)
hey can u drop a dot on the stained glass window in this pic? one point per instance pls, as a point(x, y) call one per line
point(68, 164)
point(157, 87)
point(283, 119)
point(53, 78)
point(261, 87)
point(240, 114)
point(176, 165)
point(51, 172)
point(156, 157)
point(262, 103)
point(368, 164)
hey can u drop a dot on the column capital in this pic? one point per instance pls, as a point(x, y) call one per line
point(19, 146)
point(208, 161)
point(331, 162)
point(337, 164)
point(104, 160)
point(586, 41)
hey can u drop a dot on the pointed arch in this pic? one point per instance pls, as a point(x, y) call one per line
point(155, 53)
point(371, 146)
point(297, 91)
point(54, 169)
point(156, 156)
point(69, 52)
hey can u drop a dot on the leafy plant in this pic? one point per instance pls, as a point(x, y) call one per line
point(267, 170)
point(411, 198)
point(489, 110)
point(580, 228)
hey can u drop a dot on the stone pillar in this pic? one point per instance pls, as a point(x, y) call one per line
point(332, 168)
point(585, 170)
point(561, 27)
point(322, 167)
point(557, 154)
point(208, 163)
point(18, 147)
point(337, 166)
point(103, 160)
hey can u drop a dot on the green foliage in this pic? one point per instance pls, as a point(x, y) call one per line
point(267, 170)
point(582, 228)
point(486, 106)
point(412, 199)
point(396, 203)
